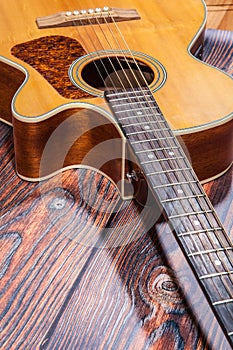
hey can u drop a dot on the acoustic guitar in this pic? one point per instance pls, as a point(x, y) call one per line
point(111, 88)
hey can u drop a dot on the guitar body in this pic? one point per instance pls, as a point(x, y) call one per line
point(52, 95)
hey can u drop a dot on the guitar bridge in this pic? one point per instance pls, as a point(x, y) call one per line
point(87, 17)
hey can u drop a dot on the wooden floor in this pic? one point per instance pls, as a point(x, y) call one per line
point(220, 14)
point(73, 273)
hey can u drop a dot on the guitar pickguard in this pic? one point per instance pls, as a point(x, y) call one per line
point(55, 65)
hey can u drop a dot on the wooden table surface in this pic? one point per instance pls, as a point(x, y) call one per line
point(80, 269)
point(220, 14)
point(68, 284)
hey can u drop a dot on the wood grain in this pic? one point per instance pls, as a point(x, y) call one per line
point(220, 14)
point(67, 282)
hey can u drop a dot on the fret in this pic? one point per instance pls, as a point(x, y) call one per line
point(153, 163)
point(145, 131)
point(182, 198)
point(217, 274)
point(226, 301)
point(175, 148)
point(189, 202)
point(144, 108)
point(225, 312)
point(145, 124)
point(196, 243)
point(210, 263)
point(161, 184)
point(140, 116)
point(185, 221)
point(168, 171)
point(189, 214)
point(138, 103)
point(159, 160)
point(135, 106)
point(225, 249)
point(126, 110)
point(157, 154)
point(167, 188)
point(219, 288)
point(206, 231)
point(175, 184)
point(127, 98)
point(128, 92)
point(151, 140)
point(194, 212)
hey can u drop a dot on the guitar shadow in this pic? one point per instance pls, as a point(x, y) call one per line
point(103, 266)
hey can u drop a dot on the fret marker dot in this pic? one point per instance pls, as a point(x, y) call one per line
point(171, 153)
point(150, 155)
point(196, 222)
point(218, 262)
point(139, 112)
point(146, 127)
point(180, 190)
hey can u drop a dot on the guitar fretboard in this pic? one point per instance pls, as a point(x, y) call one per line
point(187, 209)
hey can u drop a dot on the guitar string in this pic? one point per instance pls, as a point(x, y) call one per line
point(221, 296)
point(93, 55)
point(97, 265)
point(127, 79)
point(189, 179)
point(107, 239)
point(223, 264)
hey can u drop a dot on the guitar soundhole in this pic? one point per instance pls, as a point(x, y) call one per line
point(117, 72)
point(93, 73)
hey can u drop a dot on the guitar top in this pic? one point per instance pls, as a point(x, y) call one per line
point(57, 53)
point(162, 33)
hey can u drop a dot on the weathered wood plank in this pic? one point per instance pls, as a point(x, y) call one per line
point(40, 259)
point(122, 302)
point(67, 283)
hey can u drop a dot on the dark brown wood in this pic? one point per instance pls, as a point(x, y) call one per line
point(11, 80)
point(209, 150)
point(80, 148)
point(67, 283)
point(79, 138)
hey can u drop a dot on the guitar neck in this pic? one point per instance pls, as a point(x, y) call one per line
point(185, 205)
